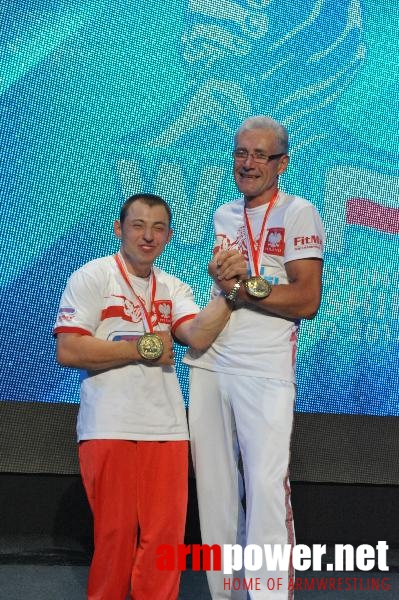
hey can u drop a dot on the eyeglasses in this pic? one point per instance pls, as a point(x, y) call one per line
point(258, 156)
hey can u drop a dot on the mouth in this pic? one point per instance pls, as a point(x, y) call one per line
point(248, 176)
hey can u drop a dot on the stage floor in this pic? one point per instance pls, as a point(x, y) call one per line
point(35, 567)
point(68, 582)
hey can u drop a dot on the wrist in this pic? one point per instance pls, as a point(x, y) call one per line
point(231, 297)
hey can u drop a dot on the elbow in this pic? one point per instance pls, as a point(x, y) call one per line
point(308, 316)
point(310, 311)
point(200, 345)
point(64, 359)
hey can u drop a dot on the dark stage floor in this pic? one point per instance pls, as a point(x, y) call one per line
point(36, 570)
point(67, 582)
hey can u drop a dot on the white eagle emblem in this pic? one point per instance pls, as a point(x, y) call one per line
point(274, 239)
point(164, 310)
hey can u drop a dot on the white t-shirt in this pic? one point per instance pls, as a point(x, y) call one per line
point(253, 342)
point(137, 401)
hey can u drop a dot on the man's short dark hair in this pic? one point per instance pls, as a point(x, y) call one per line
point(149, 199)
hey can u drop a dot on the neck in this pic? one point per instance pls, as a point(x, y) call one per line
point(139, 270)
point(253, 202)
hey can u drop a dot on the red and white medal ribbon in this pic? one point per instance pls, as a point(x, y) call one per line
point(255, 251)
point(145, 314)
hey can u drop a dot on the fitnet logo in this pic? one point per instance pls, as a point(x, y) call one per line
point(278, 560)
point(308, 241)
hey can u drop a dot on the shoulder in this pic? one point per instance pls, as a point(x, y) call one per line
point(294, 203)
point(295, 207)
point(230, 208)
point(174, 284)
point(98, 265)
point(95, 271)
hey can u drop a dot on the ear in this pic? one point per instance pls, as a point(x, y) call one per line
point(118, 229)
point(283, 164)
point(169, 236)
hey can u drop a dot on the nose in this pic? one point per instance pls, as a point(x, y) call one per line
point(148, 234)
point(248, 162)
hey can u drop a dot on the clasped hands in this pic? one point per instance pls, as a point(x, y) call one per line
point(227, 267)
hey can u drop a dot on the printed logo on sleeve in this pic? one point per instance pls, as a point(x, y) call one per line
point(304, 242)
point(66, 313)
point(275, 241)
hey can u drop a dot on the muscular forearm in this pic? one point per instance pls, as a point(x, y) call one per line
point(297, 299)
point(91, 353)
point(200, 332)
point(290, 301)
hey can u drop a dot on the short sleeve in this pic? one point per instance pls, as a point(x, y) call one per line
point(80, 305)
point(184, 305)
point(305, 235)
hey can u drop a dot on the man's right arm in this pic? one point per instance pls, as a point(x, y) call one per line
point(88, 352)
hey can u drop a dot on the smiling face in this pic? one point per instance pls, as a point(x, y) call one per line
point(144, 234)
point(258, 181)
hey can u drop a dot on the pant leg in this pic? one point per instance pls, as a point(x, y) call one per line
point(162, 507)
point(264, 413)
point(215, 453)
point(108, 469)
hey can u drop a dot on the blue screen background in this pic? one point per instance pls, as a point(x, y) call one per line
point(101, 99)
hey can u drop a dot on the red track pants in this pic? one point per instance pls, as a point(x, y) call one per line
point(137, 491)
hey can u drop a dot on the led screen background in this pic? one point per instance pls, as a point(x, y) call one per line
point(102, 99)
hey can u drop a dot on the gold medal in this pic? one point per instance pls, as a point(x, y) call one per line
point(150, 346)
point(257, 287)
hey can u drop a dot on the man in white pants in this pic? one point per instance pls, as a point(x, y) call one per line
point(243, 387)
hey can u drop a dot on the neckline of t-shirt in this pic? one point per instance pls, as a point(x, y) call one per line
point(262, 207)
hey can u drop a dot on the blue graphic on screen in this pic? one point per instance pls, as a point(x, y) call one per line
point(102, 99)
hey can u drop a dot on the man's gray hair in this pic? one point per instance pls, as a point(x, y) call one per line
point(262, 122)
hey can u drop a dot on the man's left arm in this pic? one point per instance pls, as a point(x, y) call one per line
point(298, 299)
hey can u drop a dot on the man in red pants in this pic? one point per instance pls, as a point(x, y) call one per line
point(116, 320)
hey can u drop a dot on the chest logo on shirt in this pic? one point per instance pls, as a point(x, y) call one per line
point(223, 242)
point(274, 243)
point(126, 310)
point(162, 311)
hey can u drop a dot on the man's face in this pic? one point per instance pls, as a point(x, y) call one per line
point(257, 181)
point(144, 235)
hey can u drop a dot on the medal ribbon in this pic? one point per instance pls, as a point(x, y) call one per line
point(255, 252)
point(145, 315)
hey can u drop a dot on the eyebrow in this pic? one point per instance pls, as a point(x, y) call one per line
point(152, 222)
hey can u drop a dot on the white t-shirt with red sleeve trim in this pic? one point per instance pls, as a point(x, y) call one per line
point(133, 402)
point(253, 342)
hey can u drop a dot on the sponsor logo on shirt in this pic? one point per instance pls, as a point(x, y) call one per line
point(127, 337)
point(275, 241)
point(66, 313)
point(308, 241)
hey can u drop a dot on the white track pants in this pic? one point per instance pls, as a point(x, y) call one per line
point(233, 416)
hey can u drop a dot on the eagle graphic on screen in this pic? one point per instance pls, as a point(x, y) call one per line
point(241, 59)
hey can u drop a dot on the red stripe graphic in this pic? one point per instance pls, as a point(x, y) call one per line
point(360, 211)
